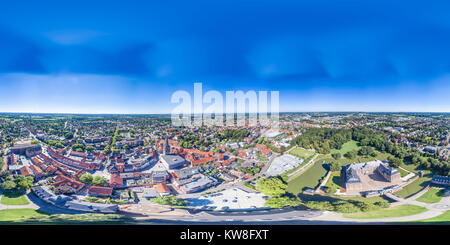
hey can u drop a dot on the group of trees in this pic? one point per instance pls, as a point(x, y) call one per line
point(251, 170)
point(371, 141)
point(20, 183)
point(169, 200)
point(323, 139)
point(401, 153)
point(55, 143)
point(276, 188)
point(232, 135)
point(347, 206)
point(93, 180)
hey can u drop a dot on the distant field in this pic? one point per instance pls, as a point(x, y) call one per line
point(349, 146)
point(18, 214)
point(13, 199)
point(398, 211)
point(432, 196)
point(414, 187)
point(301, 153)
point(310, 178)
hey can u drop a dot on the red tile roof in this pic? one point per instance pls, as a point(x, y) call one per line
point(116, 181)
point(162, 188)
point(26, 171)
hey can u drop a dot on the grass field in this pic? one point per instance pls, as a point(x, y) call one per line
point(67, 219)
point(13, 198)
point(18, 214)
point(414, 187)
point(432, 196)
point(443, 219)
point(398, 211)
point(349, 146)
point(310, 178)
point(301, 153)
point(403, 173)
point(31, 216)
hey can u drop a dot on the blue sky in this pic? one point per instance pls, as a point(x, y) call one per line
point(129, 57)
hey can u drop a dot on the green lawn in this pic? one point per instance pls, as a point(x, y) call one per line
point(335, 180)
point(301, 153)
point(432, 196)
point(13, 198)
point(19, 214)
point(414, 187)
point(349, 146)
point(310, 178)
point(441, 219)
point(67, 219)
point(399, 211)
point(403, 173)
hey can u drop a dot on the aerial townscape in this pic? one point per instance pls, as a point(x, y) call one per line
point(314, 168)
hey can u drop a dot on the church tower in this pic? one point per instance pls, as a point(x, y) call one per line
point(166, 150)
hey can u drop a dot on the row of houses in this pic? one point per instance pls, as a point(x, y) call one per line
point(68, 202)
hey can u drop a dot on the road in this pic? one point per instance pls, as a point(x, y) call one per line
point(263, 216)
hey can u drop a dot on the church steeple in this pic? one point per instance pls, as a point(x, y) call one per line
point(166, 150)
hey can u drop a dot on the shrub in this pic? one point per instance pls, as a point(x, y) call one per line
point(329, 190)
point(281, 202)
point(320, 205)
point(345, 207)
point(382, 204)
point(169, 200)
point(334, 166)
point(366, 207)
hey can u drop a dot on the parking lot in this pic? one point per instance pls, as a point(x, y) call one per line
point(230, 199)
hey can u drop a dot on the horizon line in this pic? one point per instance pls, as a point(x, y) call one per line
point(285, 112)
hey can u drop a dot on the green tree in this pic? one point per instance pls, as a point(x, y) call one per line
point(336, 155)
point(334, 166)
point(8, 185)
point(350, 154)
point(99, 180)
point(86, 178)
point(273, 186)
point(169, 200)
point(89, 148)
point(24, 182)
